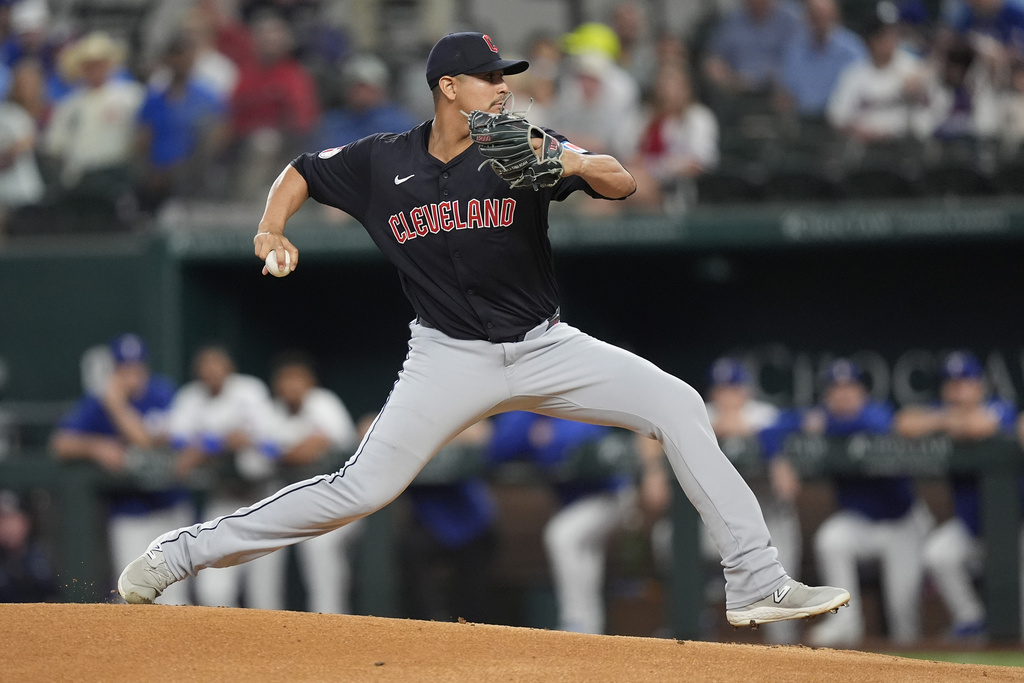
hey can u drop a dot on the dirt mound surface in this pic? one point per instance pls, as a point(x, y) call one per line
point(128, 642)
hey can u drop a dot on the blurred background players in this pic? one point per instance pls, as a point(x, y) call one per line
point(308, 432)
point(879, 519)
point(213, 425)
point(448, 551)
point(131, 412)
point(577, 535)
point(954, 553)
point(26, 572)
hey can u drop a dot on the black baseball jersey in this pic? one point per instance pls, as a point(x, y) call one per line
point(473, 254)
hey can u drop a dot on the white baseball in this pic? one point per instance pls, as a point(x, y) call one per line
point(272, 265)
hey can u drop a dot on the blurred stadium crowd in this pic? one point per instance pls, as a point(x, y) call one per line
point(103, 121)
point(232, 438)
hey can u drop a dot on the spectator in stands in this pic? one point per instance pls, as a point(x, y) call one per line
point(210, 68)
point(91, 133)
point(26, 571)
point(746, 49)
point(213, 424)
point(814, 61)
point(232, 37)
point(598, 107)
point(448, 550)
point(131, 413)
point(576, 537)
point(886, 97)
point(879, 518)
point(994, 27)
point(181, 128)
point(31, 39)
point(28, 90)
point(954, 553)
point(637, 55)
point(21, 185)
point(537, 87)
point(308, 432)
point(367, 108)
point(274, 108)
point(965, 104)
point(679, 143)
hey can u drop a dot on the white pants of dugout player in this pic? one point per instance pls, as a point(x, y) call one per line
point(576, 540)
point(954, 558)
point(446, 385)
point(847, 538)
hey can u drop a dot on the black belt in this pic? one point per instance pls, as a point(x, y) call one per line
point(537, 330)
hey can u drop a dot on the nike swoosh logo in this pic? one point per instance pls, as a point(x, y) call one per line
point(780, 594)
point(399, 181)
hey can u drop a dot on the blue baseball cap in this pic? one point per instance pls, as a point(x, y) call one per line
point(728, 371)
point(468, 53)
point(961, 365)
point(842, 370)
point(129, 348)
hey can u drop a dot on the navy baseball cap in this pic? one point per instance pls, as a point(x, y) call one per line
point(842, 370)
point(468, 53)
point(128, 348)
point(728, 371)
point(961, 365)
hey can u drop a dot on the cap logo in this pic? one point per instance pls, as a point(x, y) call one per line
point(490, 44)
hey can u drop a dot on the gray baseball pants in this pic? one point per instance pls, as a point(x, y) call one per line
point(448, 384)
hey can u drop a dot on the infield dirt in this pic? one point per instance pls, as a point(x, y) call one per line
point(53, 642)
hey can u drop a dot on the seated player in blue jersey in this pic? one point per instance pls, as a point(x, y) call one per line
point(879, 518)
point(130, 413)
point(590, 510)
point(449, 548)
point(953, 552)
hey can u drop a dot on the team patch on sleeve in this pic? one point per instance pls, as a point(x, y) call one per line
point(569, 146)
point(328, 153)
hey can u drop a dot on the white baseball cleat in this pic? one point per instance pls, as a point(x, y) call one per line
point(145, 578)
point(793, 600)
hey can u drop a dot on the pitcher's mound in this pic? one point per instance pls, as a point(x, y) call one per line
point(160, 643)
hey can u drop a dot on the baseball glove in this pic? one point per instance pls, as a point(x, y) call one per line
point(505, 140)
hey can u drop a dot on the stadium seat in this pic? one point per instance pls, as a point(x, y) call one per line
point(885, 170)
point(961, 166)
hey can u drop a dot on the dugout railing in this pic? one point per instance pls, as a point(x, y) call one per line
point(79, 489)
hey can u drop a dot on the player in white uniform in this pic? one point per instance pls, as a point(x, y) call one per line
point(213, 422)
point(307, 424)
point(475, 261)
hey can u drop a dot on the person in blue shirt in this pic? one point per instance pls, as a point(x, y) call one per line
point(449, 550)
point(878, 518)
point(746, 49)
point(576, 537)
point(813, 62)
point(1001, 20)
point(367, 109)
point(130, 413)
point(954, 552)
point(181, 128)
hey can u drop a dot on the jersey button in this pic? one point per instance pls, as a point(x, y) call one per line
point(470, 291)
point(457, 254)
point(445, 193)
point(445, 174)
point(490, 326)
